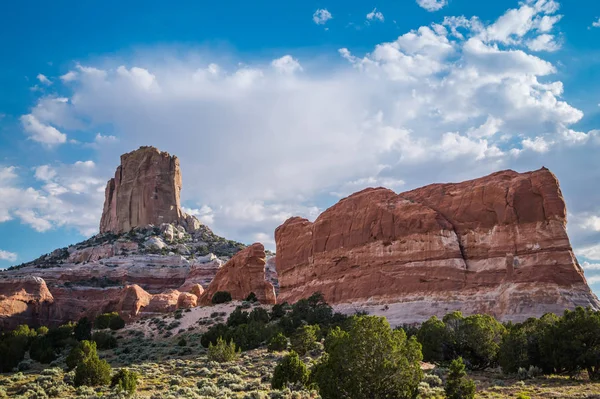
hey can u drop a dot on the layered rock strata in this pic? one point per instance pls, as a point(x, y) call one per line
point(145, 191)
point(242, 274)
point(494, 245)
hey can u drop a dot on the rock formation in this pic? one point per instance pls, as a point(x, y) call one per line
point(149, 257)
point(145, 191)
point(494, 245)
point(23, 299)
point(241, 275)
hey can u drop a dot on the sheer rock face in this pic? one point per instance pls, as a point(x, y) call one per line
point(145, 190)
point(242, 274)
point(497, 245)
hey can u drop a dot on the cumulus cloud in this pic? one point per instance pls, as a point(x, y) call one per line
point(375, 16)
point(43, 79)
point(321, 16)
point(9, 256)
point(41, 132)
point(69, 195)
point(286, 64)
point(432, 5)
point(596, 24)
point(261, 142)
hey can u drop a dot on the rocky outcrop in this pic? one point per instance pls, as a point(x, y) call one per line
point(24, 299)
point(242, 274)
point(145, 191)
point(495, 245)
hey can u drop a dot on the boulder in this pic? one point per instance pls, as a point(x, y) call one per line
point(155, 243)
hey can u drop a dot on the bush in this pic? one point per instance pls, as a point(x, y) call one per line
point(250, 336)
point(432, 336)
point(458, 386)
point(182, 342)
point(278, 310)
point(42, 350)
point(104, 340)
point(213, 334)
point(222, 352)
point(116, 323)
point(83, 330)
point(79, 353)
point(125, 381)
point(43, 330)
point(370, 360)
point(259, 315)
point(278, 343)
point(289, 370)
point(304, 339)
point(221, 297)
point(90, 370)
point(237, 317)
point(251, 297)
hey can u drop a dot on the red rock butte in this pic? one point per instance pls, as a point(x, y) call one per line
point(495, 245)
point(145, 190)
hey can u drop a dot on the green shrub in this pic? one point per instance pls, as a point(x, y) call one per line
point(259, 315)
point(304, 339)
point(289, 370)
point(250, 336)
point(83, 329)
point(278, 310)
point(221, 297)
point(79, 353)
point(237, 317)
point(222, 352)
point(182, 342)
point(104, 340)
point(458, 386)
point(278, 343)
point(116, 323)
point(90, 370)
point(43, 330)
point(125, 381)
point(41, 350)
point(370, 360)
point(213, 333)
point(251, 297)
point(432, 336)
point(103, 321)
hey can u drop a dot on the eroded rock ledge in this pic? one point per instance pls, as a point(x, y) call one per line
point(496, 244)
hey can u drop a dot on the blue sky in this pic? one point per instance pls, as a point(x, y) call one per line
point(280, 108)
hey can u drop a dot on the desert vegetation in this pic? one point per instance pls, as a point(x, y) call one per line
point(303, 350)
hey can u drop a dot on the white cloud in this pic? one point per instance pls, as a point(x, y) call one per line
point(260, 142)
point(9, 256)
point(375, 15)
point(596, 24)
point(70, 195)
point(543, 42)
point(593, 279)
point(432, 5)
point(321, 16)
point(286, 64)
point(41, 132)
point(43, 79)
point(591, 252)
point(538, 144)
point(591, 223)
point(100, 139)
point(590, 266)
point(69, 76)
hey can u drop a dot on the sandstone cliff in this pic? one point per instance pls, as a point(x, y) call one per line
point(241, 275)
point(496, 245)
point(145, 191)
